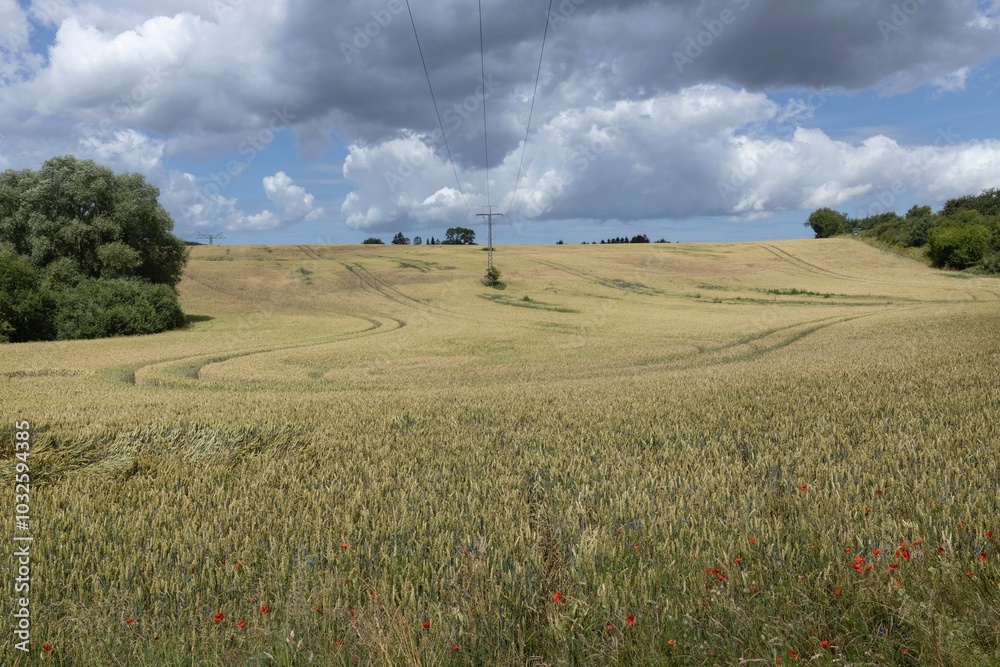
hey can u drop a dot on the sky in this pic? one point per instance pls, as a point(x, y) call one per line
point(311, 121)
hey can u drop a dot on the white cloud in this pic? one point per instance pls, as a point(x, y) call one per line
point(203, 205)
point(703, 151)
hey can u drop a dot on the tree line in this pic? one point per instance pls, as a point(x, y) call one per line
point(85, 253)
point(453, 236)
point(964, 234)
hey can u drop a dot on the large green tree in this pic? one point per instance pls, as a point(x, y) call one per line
point(87, 220)
point(73, 223)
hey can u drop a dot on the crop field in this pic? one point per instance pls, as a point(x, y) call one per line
point(666, 454)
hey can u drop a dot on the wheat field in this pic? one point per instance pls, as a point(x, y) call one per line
point(666, 454)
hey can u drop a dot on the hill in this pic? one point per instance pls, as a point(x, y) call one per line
point(634, 454)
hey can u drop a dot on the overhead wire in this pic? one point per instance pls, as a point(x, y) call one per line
point(486, 137)
point(444, 135)
point(534, 94)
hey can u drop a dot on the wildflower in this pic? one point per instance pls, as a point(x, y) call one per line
point(903, 552)
point(427, 625)
point(916, 543)
point(989, 534)
point(752, 589)
point(847, 550)
point(969, 573)
point(156, 638)
point(868, 510)
point(940, 550)
point(129, 621)
point(982, 556)
point(893, 566)
point(637, 547)
point(238, 565)
point(803, 487)
point(338, 644)
point(241, 623)
point(878, 492)
point(630, 620)
point(753, 540)
point(351, 612)
point(858, 562)
point(343, 545)
point(46, 647)
point(454, 649)
point(264, 609)
point(219, 617)
point(671, 641)
point(875, 552)
point(557, 596)
point(836, 591)
point(793, 655)
point(906, 651)
point(609, 627)
point(737, 560)
point(721, 577)
point(824, 643)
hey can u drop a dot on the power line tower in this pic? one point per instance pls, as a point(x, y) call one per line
point(489, 232)
point(211, 237)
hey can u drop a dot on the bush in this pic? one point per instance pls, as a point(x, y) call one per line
point(26, 309)
point(957, 246)
point(100, 308)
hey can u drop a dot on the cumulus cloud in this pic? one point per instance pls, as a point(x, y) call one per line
point(645, 109)
point(702, 151)
point(203, 205)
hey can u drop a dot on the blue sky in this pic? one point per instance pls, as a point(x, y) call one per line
point(723, 120)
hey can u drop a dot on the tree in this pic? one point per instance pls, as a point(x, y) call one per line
point(640, 238)
point(987, 203)
point(826, 222)
point(372, 240)
point(417, 240)
point(399, 239)
point(493, 278)
point(106, 225)
point(74, 229)
point(460, 236)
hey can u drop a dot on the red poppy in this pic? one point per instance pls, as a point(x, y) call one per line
point(630, 620)
point(609, 627)
point(878, 492)
point(454, 649)
point(343, 545)
point(637, 547)
point(875, 552)
point(906, 651)
point(241, 623)
point(858, 562)
point(793, 655)
point(824, 643)
point(351, 612)
point(803, 487)
point(989, 533)
point(753, 540)
point(969, 573)
point(847, 550)
point(156, 638)
point(129, 621)
point(737, 560)
point(893, 566)
point(46, 647)
point(239, 564)
point(982, 556)
point(671, 642)
point(557, 596)
point(940, 550)
point(903, 553)
point(836, 591)
point(264, 609)
point(916, 543)
point(338, 644)
point(721, 577)
point(752, 589)
point(427, 625)
point(219, 617)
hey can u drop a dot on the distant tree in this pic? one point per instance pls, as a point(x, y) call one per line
point(560, 242)
point(640, 238)
point(662, 241)
point(372, 240)
point(399, 239)
point(826, 222)
point(460, 236)
point(417, 240)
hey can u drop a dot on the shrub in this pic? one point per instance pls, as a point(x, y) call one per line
point(26, 309)
point(99, 308)
point(957, 246)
